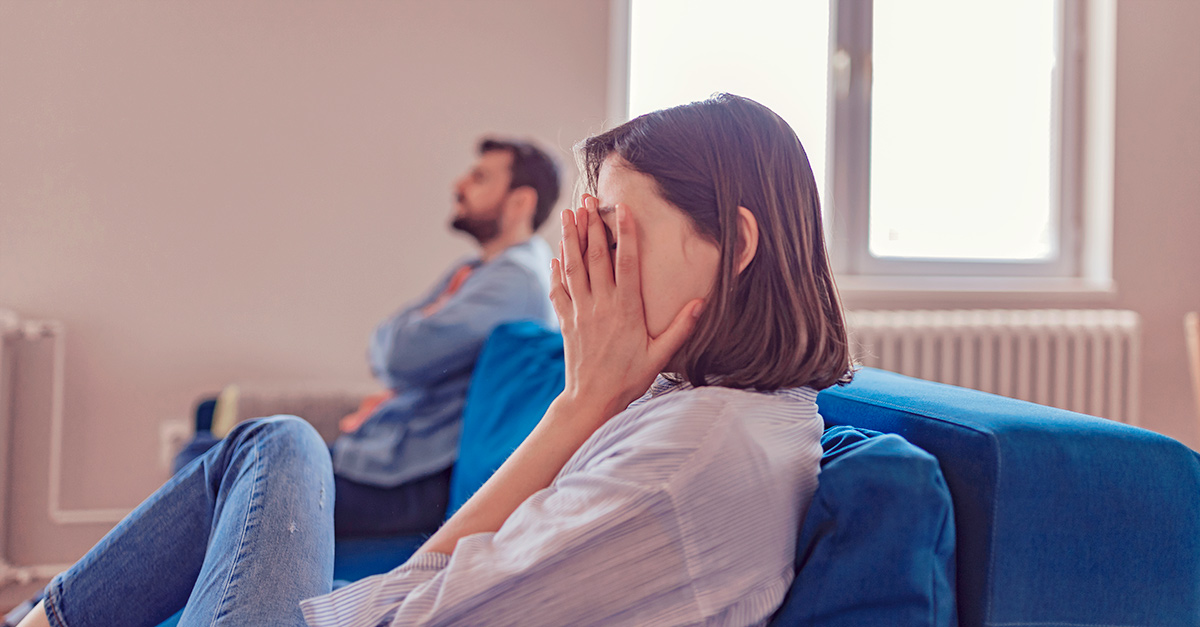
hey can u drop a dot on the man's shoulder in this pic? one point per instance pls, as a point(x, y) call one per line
point(529, 260)
point(532, 253)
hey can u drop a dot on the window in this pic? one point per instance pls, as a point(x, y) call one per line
point(948, 134)
point(774, 51)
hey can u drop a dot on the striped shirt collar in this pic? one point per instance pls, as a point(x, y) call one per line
point(665, 385)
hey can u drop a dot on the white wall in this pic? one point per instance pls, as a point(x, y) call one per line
point(240, 190)
point(221, 190)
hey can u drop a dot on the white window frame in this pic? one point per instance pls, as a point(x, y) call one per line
point(1083, 114)
point(849, 153)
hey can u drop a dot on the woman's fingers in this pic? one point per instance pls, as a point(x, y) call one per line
point(600, 268)
point(628, 273)
point(663, 347)
point(559, 297)
point(574, 269)
point(580, 218)
point(581, 224)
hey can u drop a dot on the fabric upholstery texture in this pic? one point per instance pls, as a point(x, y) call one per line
point(519, 373)
point(877, 543)
point(355, 558)
point(1061, 518)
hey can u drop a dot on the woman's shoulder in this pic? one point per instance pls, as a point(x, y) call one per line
point(686, 409)
point(745, 419)
point(685, 431)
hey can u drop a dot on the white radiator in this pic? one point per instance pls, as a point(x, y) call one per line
point(13, 329)
point(9, 332)
point(1082, 360)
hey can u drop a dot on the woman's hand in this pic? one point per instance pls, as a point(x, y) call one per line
point(611, 360)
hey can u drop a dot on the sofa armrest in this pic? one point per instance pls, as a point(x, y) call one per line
point(1061, 518)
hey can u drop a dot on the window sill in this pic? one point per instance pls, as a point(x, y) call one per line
point(990, 291)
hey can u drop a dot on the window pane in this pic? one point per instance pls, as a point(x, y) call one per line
point(774, 51)
point(961, 130)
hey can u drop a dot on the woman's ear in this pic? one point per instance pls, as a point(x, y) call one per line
point(747, 238)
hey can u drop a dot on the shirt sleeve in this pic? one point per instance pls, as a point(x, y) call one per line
point(591, 548)
point(412, 349)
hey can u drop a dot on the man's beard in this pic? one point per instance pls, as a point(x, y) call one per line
point(483, 228)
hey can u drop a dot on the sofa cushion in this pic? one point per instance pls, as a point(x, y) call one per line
point(877, 544)
point(355, 558)
point(498, 414)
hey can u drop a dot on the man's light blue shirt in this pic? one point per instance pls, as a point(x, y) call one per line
point(427, 361)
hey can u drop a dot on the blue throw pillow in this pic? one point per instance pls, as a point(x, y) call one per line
point(877, 544)
point(518, 374)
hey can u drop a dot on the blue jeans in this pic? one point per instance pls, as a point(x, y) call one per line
point(417, 506)
point(241, 536)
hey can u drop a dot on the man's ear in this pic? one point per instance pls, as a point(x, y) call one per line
point(522, 202)
point(747, 238)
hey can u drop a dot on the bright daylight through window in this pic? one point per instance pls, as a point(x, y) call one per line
point(963, 104)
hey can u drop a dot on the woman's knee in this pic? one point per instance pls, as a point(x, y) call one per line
point(286, 433)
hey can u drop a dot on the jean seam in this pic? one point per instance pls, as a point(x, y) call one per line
point(254, 492)
point(53, 595)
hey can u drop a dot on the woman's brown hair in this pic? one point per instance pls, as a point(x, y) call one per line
point(778, 323)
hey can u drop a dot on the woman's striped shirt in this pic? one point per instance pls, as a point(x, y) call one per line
point(681, 510)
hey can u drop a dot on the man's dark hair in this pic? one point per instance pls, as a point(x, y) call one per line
point(531, 167)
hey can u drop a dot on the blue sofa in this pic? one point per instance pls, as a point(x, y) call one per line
point(937, 505)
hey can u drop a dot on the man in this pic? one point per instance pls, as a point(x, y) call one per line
point(392, 471)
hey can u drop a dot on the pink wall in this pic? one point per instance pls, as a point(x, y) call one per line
point(1156, 242)
point(210, 191)
point(239, 190)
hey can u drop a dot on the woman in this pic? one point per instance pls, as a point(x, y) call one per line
point(665, 485)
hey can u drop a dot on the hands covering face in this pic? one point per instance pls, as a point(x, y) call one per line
point(611, 360)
